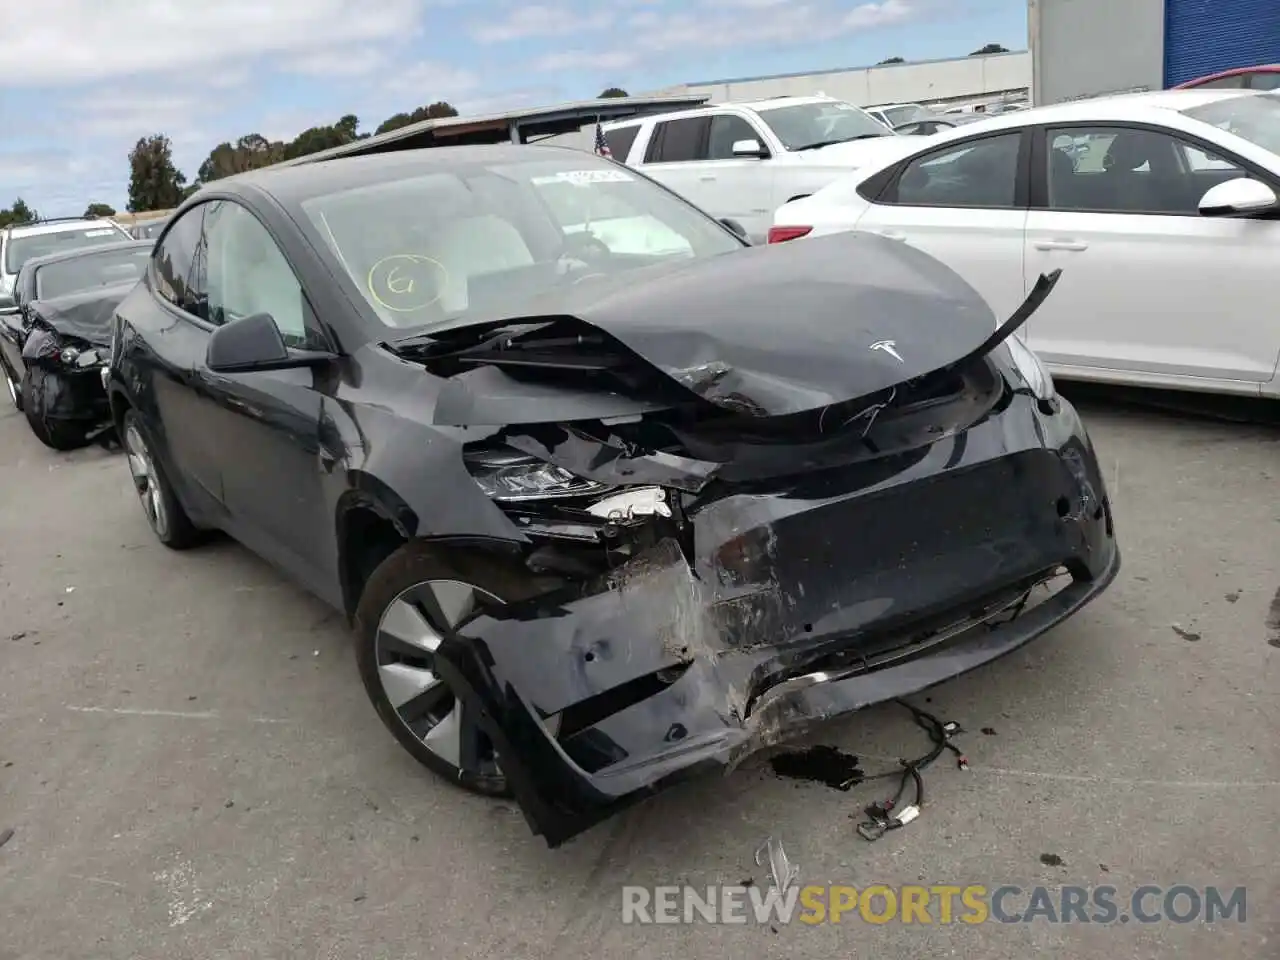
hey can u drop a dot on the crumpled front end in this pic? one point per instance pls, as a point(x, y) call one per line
point(736, 610)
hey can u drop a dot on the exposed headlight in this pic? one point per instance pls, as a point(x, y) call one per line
point(510, 476)
point(1031, 369)
point(74, 357)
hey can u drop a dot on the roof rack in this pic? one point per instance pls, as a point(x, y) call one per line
point(43, 220)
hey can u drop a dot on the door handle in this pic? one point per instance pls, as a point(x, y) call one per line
point(892, 234)
point(1061, 245)
point(707, 176)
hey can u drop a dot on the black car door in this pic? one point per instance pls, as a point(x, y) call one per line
point(169, 317)
point(264, 427)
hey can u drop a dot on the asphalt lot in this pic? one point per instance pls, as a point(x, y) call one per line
point(191, 769)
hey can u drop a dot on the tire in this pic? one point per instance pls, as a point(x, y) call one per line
point(52, 432)
point(165, 515)
point(13, 384)
point(397, 675)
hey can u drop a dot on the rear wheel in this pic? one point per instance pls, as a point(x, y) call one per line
point(168, 521)
point(412, 602)
point(52, 432)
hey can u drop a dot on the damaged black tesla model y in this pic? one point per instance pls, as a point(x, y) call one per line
point(610, 497)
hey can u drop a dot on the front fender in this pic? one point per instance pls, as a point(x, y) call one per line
point(41, 344)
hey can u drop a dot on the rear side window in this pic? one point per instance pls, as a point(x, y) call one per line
point(1269, 80)
point(1225, 83)
point(974, 173)
point(679, 141)
point(180, 264)
point(620, 140)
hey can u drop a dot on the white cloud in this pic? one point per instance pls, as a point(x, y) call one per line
point(733, 24)
point(428, 81)
point(72, 41)
point(538, 20)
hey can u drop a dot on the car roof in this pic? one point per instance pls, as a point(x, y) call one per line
point(767, 103)
point(293, 185)
point(62, 255)
point(1150, 106)
point(57, 226)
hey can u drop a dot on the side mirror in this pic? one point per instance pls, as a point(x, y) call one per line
point(7, 303)
point(1241, 197)
point(736, 227)
point(749, 148)
point(254, 343)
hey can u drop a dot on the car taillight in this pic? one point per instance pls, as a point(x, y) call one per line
point(782, 234)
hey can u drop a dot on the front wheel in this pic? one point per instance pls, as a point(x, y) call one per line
point(52, 432)
point(168, 521)
point(412, 602)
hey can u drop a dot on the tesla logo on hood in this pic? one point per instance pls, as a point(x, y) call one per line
point(888, 346)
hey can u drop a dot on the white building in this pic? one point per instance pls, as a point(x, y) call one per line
point(957, 82)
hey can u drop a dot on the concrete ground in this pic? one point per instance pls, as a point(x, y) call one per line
point(190, 767)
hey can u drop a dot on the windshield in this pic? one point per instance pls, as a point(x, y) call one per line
point(485, 238)
point(1253, 116)
point(20, 249)
point(93, 270)
point(805, 126)
point(908, 113)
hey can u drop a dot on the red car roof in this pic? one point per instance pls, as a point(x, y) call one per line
point(1260, 68)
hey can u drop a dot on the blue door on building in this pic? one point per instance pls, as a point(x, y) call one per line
point(1206, 36)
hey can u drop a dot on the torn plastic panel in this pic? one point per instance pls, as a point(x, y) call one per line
point(754, 611)
point(768, 333)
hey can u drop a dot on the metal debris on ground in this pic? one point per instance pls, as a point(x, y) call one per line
point(781, 869)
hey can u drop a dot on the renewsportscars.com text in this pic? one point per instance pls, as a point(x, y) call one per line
point(934, 904)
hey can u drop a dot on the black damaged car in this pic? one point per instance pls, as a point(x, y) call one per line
point(54, 345)
point(610, 497)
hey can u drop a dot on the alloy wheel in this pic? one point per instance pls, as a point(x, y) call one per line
point(146, 480)
point(410, 630)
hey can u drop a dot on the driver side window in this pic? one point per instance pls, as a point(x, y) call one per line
point(247, 274)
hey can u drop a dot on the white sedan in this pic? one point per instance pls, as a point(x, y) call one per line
point(1160, 208)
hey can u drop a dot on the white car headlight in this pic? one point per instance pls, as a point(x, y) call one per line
point(1031, 369)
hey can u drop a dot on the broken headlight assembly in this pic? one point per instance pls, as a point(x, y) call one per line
point(510, 476)
point(1031, 370)
point(75, 357)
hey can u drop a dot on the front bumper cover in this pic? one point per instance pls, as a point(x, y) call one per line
point(796, 605)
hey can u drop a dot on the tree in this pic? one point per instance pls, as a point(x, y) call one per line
point(433, 111)
point(154, 182)
point(891, 60)
point(99, 210)
point(19, 213)
point(314, 139)
point(610, 92)
point(989, 48)
point(250, 152)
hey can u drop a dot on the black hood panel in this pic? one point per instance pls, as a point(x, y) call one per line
point(766, 332)
point(84, 316)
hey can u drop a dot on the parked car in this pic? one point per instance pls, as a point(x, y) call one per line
point(740, 161)
point(600, 518)
point(148, 229)
point(53, 350)
point(1264, 77)
point(912, 119)
point(19, 243)
point(1161, 209)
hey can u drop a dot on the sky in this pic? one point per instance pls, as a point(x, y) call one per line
point(82, 80)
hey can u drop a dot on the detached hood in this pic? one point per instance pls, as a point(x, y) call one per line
point(766, 332)
point(85, 316)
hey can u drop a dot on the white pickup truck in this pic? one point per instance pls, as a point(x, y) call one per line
point(741, 161)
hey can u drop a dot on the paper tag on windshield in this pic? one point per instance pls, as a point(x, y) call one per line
point(584, 176)
point(98, 233)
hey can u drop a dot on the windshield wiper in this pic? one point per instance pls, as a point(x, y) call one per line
point(829, 143)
